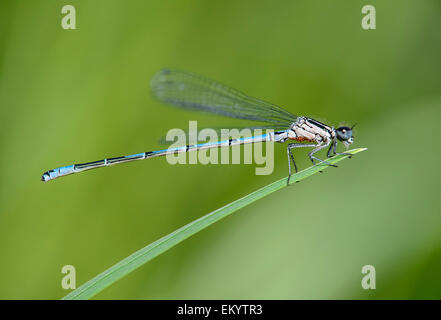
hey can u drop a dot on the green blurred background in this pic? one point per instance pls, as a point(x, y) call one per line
point(80, 95)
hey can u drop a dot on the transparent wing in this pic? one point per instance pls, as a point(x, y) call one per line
point(191, 91)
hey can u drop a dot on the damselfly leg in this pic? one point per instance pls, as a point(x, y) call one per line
point(311, 156)
point(291, 157)
point(333, 149)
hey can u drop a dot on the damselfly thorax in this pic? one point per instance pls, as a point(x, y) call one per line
point(307, 129)
point(192, 91)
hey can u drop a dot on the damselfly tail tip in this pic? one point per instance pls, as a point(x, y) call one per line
point(45, 177)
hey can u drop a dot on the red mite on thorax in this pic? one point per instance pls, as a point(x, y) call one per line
point(300, 139)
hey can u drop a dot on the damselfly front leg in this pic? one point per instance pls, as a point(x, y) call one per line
point(333, 149)
point(344, 134)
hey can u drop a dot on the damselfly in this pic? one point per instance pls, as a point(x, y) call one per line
point(191, 91)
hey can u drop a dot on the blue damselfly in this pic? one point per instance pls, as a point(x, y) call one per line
point(191, 91)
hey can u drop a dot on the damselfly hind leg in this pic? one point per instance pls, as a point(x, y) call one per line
point(291, 157)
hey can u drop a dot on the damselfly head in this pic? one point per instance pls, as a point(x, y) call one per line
point(344, 134)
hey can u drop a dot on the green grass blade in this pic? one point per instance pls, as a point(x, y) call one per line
point(142, 256)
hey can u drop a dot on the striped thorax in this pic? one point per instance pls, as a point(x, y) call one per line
point(307, 129)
